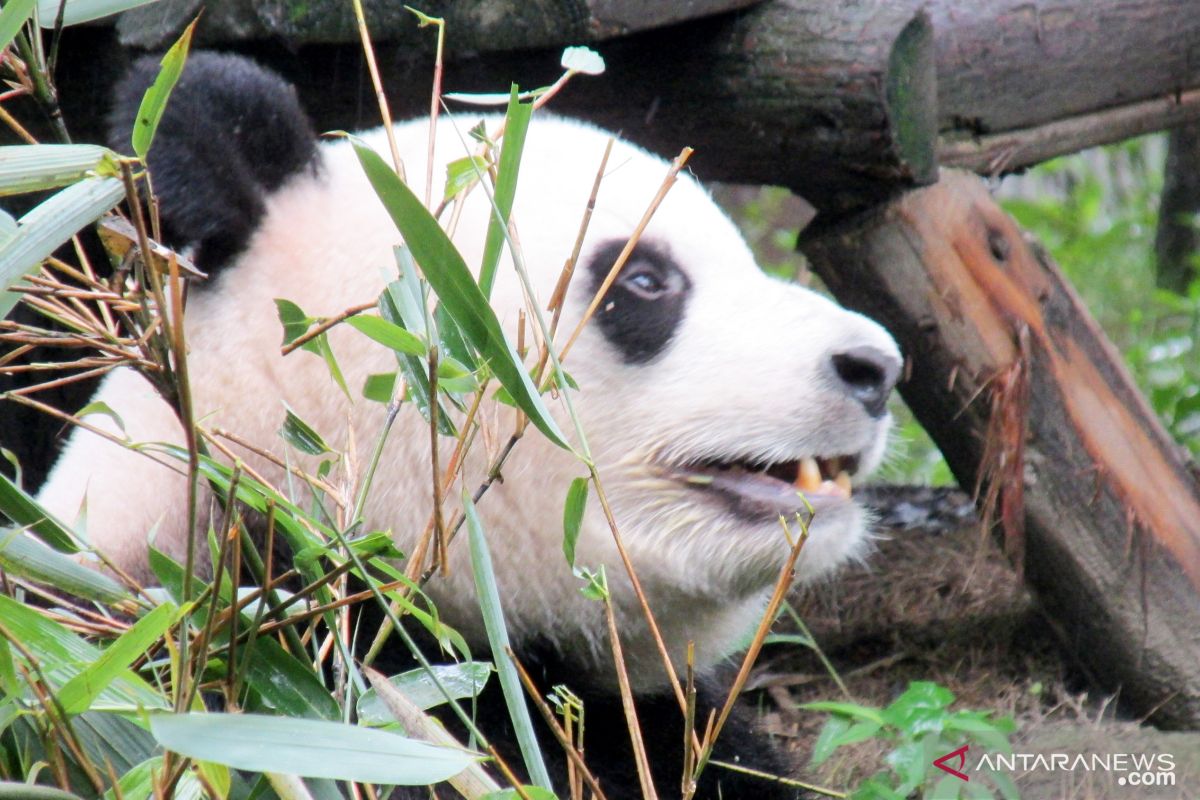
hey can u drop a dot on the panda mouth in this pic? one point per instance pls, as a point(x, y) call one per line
point(756, 489)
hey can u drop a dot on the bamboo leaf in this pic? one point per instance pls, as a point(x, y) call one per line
point(37, 167)
point(573, 509)
point(379, 387)
point(388, 335)
point(154, 101)
point(462, 681)
point(516, 125)
point(24, 511)
point(14, 15)
point(300, 435)
point(78, 11)
point(49, 225)
point(462, 174)
point(23, 555)
point(447, 273)
point(82, 690)
point(307, 747)
point(497, 634)
point(62, 654)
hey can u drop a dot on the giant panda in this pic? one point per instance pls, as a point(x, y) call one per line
point(705, 386)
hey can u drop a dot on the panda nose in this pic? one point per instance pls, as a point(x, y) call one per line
point(868, 375)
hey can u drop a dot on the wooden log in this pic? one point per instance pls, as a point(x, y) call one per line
point(498, 25)
point(1004, 358)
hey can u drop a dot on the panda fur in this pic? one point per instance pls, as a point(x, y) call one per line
point(695, 358)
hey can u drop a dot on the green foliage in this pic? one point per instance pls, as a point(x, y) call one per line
point(1098, 220)
point(919, 728)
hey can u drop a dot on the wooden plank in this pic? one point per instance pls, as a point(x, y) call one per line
point(1017, 384)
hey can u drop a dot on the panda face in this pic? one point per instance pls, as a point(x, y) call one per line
point(707, 388)
point(707, 391)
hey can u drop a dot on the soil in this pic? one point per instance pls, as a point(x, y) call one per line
point(938, 601)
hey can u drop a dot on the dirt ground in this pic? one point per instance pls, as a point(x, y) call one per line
point(939, 602)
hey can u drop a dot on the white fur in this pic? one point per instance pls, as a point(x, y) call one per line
point(745, 375)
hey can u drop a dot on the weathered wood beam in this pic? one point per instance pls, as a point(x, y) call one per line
point(997, 153)
point(1004, 358)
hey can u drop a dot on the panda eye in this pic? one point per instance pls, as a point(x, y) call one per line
point(645, 283)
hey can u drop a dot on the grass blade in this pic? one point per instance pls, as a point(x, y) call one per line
point(497, 633)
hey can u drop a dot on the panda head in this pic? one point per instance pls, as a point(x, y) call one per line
point(708, 390)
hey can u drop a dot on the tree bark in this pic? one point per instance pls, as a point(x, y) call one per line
point(1177, 243)
point(1021, 391)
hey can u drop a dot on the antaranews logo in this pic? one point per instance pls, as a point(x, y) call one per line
point(1128, 769)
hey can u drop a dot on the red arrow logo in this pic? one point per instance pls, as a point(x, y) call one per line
point(961, 755)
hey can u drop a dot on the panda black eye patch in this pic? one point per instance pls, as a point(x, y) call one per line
point(645, 305)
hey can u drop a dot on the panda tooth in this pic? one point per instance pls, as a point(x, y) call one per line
point(843, 482)
point(808, 478)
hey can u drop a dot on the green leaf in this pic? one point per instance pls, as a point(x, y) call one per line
point(8, 672)
point(533, 792)
point(104, 409)
point(921, 709)
point(62, 654)
point(389, 335)
point(516, 125)
point(596, 587)
point(321, 347)
point(497, 633)
point(295, 322)
point(573, 509)
point(79, 11)
point(945, 789)
point(82, 690)
point(461, 174)
point(25, 556)
point(307, 747)
point(137, 783)
point(38, 167)
point(379, 387)
point(284, 682)
point(462, 681)
point(23, 510)
point(858, 732)
point(447, 273)
point(300, 435)
point(827, 740)
point(48, 225)
point(14, 15)
point(154, 101)
point(846, 710)
point(32, 791)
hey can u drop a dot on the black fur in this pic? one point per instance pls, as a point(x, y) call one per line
point(645, 305)
point(232, 133)
point(607, 748)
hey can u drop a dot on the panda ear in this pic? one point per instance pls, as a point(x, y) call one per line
point(232, 132)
